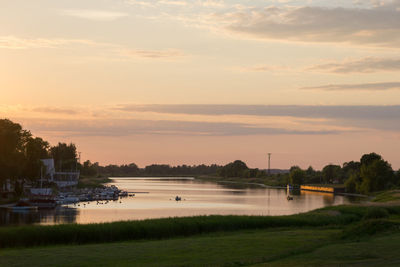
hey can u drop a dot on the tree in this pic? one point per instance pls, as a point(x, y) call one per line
point(353, 183)
point(90, 169)
point(367, 159)
point(65, 156)
point(331, 173)
point(12, 150)
point(349, 168)
point(35, 150)
point(376, 175)
point(297, 176)
point(234, 169)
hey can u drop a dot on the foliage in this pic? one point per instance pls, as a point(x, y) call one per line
point(233, 169)
point(331, 173)
point(376, 213)
point(20, 154)
point(297, 176)
point(65, 156)
point(376, 175)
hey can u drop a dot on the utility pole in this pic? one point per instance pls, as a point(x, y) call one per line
point(269, 163)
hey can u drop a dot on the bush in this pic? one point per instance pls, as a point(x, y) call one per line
point(376, 213)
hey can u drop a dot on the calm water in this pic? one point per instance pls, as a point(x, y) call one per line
point(157, 199)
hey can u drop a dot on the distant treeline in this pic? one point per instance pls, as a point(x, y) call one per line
point(20, 155)
point(94, 169)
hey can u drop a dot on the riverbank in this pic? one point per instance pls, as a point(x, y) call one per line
point(93, 182)
point(275, 182)
point(361, 235)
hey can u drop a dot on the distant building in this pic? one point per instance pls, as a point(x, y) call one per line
point(62, 179)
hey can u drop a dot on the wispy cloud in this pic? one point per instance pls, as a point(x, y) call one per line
point(376, 26)
point(363, 65)
point(307, 111)
point(13, 42)
point(358, 87)
point(210, 120)
point(264, 68)
point(114, 51)
point(129, 127)
point(173, 2)
point(153, 54)
point(55, 110)
point(97, 15)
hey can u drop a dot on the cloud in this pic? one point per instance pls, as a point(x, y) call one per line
point(153, 54)
point(264, 68)
point(173, 2)
point(126, 127)
point(307, 111)
point(376, 26)
point(357, 87)
point(363, 65)
point(13, 42)
point(365, 117)
point(97, 15)
point(115, 51)
point(55, 110)
point(211, 3)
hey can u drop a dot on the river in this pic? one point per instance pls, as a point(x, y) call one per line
point(155, 198)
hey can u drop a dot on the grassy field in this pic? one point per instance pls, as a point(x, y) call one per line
point(342, 235)
point(278, 247)
point(178, 227)
point(387, 196)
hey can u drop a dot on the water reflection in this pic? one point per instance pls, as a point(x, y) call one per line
point(155, 198)
point(47, 216)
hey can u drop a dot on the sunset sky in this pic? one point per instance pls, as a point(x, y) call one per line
point(205, 81)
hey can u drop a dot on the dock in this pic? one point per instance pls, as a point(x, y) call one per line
point(323, 189)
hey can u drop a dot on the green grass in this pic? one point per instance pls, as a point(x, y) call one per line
point(278, 247)
point(227, 249)
point(339, 235)
point(380, 250)
point(387, 196)
point(172, 227)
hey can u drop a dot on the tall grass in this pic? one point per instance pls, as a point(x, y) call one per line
point(171, 227)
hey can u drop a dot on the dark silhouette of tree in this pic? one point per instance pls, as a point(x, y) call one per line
point(234, 169)
point(376, 175)
point(331, 173)
point(35, 150)
point(12, 150)
point(297, 176)
point(65, 156)
point(367, 159)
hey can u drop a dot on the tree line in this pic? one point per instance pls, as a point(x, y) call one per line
point(94, 169)
point(372, 173)
point(21, 154)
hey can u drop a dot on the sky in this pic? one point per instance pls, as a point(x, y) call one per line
point(205, 81)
